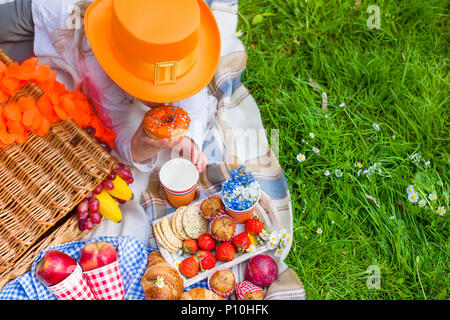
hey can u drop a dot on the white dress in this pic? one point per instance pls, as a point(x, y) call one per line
point(115, 108)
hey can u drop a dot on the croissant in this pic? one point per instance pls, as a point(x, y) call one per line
point(200, 294)
point(160, 280)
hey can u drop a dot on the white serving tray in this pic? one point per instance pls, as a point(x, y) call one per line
point(264, 210)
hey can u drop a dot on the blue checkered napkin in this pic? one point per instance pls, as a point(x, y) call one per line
point(132, 256)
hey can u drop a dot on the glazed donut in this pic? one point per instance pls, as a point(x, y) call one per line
point(166, 122)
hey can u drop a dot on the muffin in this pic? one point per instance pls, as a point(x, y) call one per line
point(222, 228)
point(248, 291)
point(222, 282)
point(212, 207)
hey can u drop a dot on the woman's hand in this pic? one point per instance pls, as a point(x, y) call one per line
point(144, 148)
point(188, 149)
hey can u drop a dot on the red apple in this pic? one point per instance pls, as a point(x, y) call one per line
point(96, 255)
point(54, 267)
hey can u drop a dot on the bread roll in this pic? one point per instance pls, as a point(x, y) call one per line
point(161, 281)
point(200, 294)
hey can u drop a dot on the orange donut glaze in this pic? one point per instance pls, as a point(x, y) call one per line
point(166, 122)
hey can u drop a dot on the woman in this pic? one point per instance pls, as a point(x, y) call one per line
point(113, 50)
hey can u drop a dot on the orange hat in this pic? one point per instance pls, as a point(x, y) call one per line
point(156, 50)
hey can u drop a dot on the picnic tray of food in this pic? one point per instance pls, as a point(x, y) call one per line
point(198, 221)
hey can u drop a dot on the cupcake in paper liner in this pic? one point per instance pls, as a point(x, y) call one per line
point(222, 282)
point(106, 282)
point(212, 207)
point(248, 291)
point(222, 228)
point(74, 287)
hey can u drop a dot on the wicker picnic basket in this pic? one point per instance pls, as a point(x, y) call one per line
point(41, 182)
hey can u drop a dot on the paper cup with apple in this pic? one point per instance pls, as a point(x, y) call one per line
point(101, 268)
point(63, 276)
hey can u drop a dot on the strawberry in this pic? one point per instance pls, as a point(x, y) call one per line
point(254, 226)
point(190, 246)
point(207, 260)
point(189, 267)
point(206, 242)
point(225, 252)
point(241, 242)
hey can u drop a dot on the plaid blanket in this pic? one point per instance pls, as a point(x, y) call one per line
point(236, 137)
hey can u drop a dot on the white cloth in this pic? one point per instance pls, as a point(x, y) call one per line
point(117, 110)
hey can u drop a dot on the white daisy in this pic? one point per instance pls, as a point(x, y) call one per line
point(278, 252)
point(312, 135)
point(274, 240)
point(284, 237)
point(338, 173)
point(301, 157)
point(410, 189)
point(159, 282)
point(264, 235)
point(426, 163)
point(239, 33)
point(359, 172)
point(422, 203)
point(441, 210)
point(432, 197)
point(341, 105)
point(416, 157)
point(376, 126)
point(319, 231)
point(316, 150)
point(326, 173)
point(251, 248)
point(358, 165)
point(413, 197)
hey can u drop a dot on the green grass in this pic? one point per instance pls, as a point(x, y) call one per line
point(395, 76)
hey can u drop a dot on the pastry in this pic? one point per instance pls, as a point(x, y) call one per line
point(222, 282)
point(200, 294)
point(248, 291)
point(223, 228)
point(193, 222)
point(166, 122)
point(254, 295)
point(160, 280)
point(212, 207)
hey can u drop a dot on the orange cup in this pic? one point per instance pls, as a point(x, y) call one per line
point(179, 178)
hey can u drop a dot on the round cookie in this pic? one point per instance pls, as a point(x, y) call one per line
point(176, 224)
point(162, 241)
point(172, 225)
point(168, 233)
point(193, 222)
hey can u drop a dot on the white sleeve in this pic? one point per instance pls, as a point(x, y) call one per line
point(119, 112)
point(199, 108)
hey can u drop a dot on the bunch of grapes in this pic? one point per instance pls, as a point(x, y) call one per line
point(88, 213)
point(91, 131)
point(88, 209)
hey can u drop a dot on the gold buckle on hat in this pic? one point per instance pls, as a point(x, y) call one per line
point(173, 71)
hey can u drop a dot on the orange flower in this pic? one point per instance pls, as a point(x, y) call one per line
point(57, 103)
point(12, 112)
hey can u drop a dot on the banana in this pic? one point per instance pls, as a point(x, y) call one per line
point(121, 189)
point(108, 207)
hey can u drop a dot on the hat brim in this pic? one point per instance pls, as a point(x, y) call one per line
point(98, 31)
